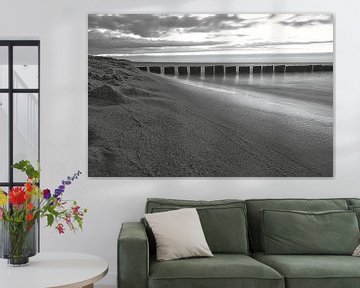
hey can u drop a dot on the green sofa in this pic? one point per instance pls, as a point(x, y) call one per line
point(233, 231)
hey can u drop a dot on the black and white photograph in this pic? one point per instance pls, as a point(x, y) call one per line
point(210, 95)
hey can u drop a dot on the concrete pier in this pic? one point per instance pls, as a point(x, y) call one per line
point(230, 70)
point(279, 68)
point(327, 67)
point(257, 69)
point(195, 70)
point(169, 70)
point(268, 69)
point(298, 68)
point(209, 70)
point(244, 70)
point(317, 68)
point(182, 70)
point(219, 70)
point(155, 69)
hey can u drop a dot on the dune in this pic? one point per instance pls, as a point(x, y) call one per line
point(106, 94)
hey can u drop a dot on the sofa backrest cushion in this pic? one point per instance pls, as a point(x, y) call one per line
point(353, 202)
point(223, 221)
point(298, 232)
point(255, 206)
point(354, 205)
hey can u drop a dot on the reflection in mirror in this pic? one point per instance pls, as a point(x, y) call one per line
point(26, 130)
point(4, 139)
point(4, 67)
point(26, 74)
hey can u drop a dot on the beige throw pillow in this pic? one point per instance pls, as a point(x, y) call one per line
point(178, 234)
point(357, 251)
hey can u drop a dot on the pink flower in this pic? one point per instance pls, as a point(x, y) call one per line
point(1, 214)
point(68, 219)
point(60, 228)
point(75, 209)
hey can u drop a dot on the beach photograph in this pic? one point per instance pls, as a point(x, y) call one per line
point(210, 95)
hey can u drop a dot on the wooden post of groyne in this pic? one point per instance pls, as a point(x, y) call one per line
point(218, 69)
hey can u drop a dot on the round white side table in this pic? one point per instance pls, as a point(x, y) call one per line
point(50, 270)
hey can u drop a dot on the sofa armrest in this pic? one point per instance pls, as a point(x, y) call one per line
point(133, 256)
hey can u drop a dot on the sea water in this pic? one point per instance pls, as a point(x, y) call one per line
point(308, 86)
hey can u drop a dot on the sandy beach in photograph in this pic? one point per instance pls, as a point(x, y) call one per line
point(142, 124)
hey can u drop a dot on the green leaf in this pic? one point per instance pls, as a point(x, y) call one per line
point(26, 167)
point(79, 221)
point(50, 219)
point(52, 211)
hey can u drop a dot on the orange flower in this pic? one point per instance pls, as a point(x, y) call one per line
point(29, 186)
point(29, 217)
point(29, 206)
point(27, 196)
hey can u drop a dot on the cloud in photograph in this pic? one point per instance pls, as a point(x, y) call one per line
point(210, 33)
point(148, 25)
point(308, 20)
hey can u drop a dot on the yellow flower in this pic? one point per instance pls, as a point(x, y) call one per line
point(3, 198)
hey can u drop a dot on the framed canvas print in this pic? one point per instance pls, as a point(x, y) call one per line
point(222, 95)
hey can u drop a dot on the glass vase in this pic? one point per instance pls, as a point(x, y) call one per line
point(18, 242)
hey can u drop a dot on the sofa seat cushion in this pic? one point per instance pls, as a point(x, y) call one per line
point(222, 270)
point(314, 271)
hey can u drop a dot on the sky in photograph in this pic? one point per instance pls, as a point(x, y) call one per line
point(206, 37)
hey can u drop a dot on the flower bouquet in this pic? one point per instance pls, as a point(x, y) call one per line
point(21, 208)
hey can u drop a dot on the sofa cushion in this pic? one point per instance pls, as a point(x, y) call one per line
point(314, 271)
point(255, 206)
point(222, 270)
point(354, 205)
point(353, 201)
point(297, 232)
point(356, 209)
point(223, 221)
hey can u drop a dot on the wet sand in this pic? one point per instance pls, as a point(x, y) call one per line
point(142, 124)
